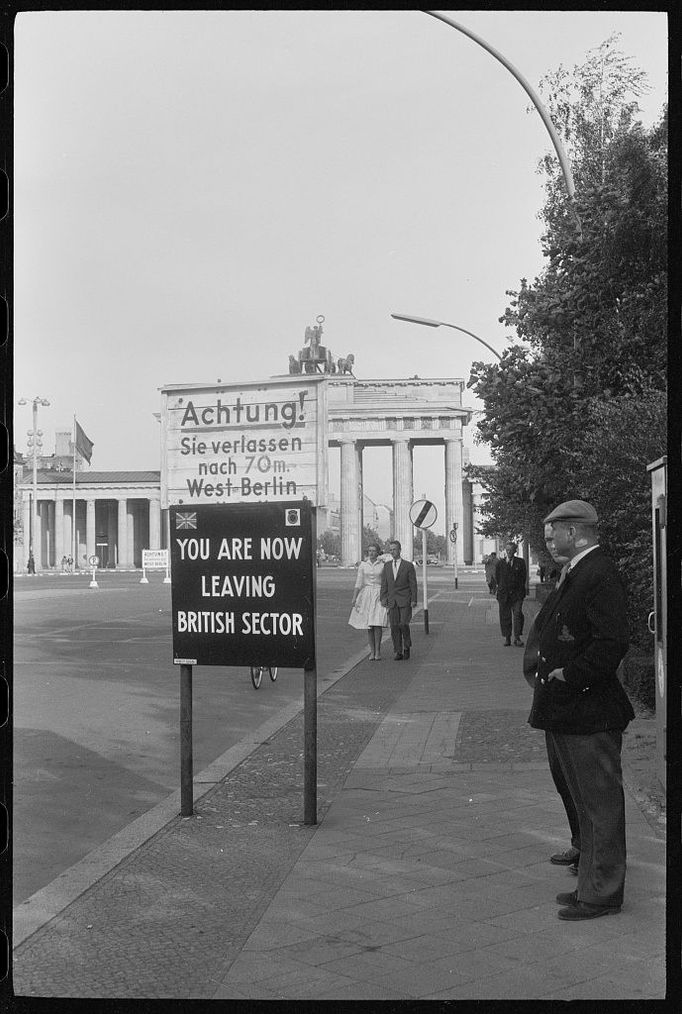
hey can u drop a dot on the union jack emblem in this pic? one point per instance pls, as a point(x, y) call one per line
point(186, 520)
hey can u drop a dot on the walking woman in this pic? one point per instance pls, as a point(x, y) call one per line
point(367, 611)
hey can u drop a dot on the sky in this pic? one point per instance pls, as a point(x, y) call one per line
point(193, 188)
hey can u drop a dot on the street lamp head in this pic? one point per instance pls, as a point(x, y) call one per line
point(417, 320)
point(22, 401)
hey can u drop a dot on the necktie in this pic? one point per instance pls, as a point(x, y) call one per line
point(562, 576)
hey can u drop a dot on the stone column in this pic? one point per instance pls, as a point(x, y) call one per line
point(90, 532)
point(26, 516)
point(154, 524)
point(58, 532)
point(454, 510)
point(350, 507)
point(403, 495)
point(122, 532)
point(38, 536)
point(111, 535)
point(130, 517)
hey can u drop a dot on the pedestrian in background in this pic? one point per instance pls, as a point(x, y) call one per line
point(490, 565)
point(510, 582)
point(579, 701)
point(399, 596)
point(31, 566)
point(367, 611)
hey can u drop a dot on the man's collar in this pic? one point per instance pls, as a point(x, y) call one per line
point(579, 556)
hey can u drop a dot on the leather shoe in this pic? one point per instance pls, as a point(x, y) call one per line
point(567, 898)
point(573, 868)
point(566, 858)
point(518, 642)
point(406, 653)
point(581, 910)
point(507, 643)
point(398, 656)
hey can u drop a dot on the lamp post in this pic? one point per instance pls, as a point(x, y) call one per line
point(35, 443)
point(535, 99)
point(441, 323)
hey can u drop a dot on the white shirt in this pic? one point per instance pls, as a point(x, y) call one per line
point(578, 556)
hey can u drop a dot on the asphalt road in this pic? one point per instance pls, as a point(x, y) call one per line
point(96, 706)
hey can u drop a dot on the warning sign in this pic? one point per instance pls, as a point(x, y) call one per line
point(247, 443)
point(242, 584)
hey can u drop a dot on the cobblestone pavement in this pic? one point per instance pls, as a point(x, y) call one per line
point(426, 876)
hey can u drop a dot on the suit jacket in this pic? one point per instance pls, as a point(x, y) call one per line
point(510, 579)
point(399, 591)
point(582, 629)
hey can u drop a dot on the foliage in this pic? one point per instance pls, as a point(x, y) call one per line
point(593, 364)
point(330, 542)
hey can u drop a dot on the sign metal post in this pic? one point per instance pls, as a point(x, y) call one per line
point(423, 514)
point(186, 762)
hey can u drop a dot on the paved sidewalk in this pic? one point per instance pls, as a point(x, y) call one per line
point(427, 876)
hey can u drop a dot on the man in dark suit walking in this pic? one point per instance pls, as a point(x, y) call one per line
point(399, 595)
point(510, 581)
point(578, 700)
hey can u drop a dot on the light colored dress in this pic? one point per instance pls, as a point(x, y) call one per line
point(368, 610)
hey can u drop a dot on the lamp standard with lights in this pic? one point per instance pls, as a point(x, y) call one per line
point(429, 322)
point(35, 443)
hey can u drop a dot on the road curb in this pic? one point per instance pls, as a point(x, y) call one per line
point(47, 903)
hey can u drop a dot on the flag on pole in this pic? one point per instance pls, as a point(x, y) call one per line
point(82, 443)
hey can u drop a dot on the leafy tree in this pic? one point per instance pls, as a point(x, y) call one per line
point(330, 542)
point(593, 367)
point(370, 538)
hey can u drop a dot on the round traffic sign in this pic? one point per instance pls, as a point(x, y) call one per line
point(93, 560)
point(423, 514)
point(453, 535)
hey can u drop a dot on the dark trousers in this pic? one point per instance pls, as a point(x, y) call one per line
point(559, 780)
point(511, 614)
point(592, 769)
point(399, 621)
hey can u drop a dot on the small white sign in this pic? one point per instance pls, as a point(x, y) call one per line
point(155, 559)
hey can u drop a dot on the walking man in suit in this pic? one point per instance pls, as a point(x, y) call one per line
point(510, 581)
point(399, 595)
point(578, 700)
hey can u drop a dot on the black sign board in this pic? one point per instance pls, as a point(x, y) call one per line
point(242, 584)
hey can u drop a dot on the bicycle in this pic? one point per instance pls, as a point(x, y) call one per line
point(257, 674)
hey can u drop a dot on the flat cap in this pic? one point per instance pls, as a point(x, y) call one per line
point(573, 510)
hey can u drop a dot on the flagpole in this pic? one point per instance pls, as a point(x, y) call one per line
point(73, 509)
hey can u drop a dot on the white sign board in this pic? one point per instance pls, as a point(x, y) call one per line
point(244, 443)
point(155, 559)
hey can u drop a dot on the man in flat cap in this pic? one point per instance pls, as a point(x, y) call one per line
point(578, 700)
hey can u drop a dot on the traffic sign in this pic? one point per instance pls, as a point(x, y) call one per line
point(423, 514)
point(93, 561)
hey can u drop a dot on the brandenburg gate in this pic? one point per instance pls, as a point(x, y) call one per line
point(400, 414)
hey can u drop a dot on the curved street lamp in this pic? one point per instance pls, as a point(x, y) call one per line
point(535, 99)
point(441, 323)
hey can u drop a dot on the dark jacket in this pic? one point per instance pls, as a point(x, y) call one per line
point(582, 629)
point(510, 579)
point(401, 591)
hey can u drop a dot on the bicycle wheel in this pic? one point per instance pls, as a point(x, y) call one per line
point(273, 672)
point(256, 676)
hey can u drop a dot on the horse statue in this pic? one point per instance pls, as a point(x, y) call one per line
point(346, 365)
